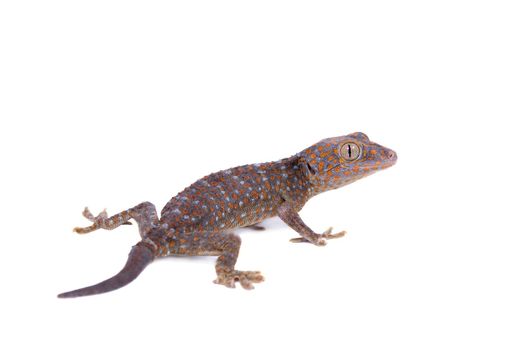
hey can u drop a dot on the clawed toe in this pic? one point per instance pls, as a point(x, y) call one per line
point(98, 221)
point(245, 278)
point(328, 234)
point(320, 240)
point(101, 216)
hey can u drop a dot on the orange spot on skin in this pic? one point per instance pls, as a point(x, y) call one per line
point(347, 173)
point(373, 151)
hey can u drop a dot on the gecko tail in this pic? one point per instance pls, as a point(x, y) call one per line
point(139, 257)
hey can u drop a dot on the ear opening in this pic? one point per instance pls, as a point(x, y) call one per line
point(308, 169)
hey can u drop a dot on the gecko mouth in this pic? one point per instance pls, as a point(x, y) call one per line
point(384, 165)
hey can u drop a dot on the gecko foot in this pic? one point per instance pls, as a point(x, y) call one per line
point(320, 240)
point(245, 278)
point(99, 221)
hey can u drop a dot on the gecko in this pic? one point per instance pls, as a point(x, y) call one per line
point(200, 220)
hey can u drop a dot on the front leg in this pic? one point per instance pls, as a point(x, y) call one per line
point(288, 214)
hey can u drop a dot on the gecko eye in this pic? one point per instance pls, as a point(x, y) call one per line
point(350, 151)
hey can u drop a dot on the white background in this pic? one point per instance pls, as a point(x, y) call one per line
point(111, 103)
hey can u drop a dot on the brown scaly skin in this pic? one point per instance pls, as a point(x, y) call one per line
point(200, 219)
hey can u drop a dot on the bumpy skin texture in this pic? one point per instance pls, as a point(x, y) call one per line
point(201, 218)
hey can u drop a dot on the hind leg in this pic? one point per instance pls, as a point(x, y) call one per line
point(144, 214)
point(227, 246)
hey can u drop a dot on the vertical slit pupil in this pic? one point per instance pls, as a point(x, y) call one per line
point(349, 151)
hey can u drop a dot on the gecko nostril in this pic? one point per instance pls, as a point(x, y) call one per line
point(391, 155)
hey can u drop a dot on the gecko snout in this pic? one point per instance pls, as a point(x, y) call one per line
point(391, 155)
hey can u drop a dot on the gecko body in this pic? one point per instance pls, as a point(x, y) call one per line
point(200, 219)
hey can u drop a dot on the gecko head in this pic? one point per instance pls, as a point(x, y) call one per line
point(338, 161)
